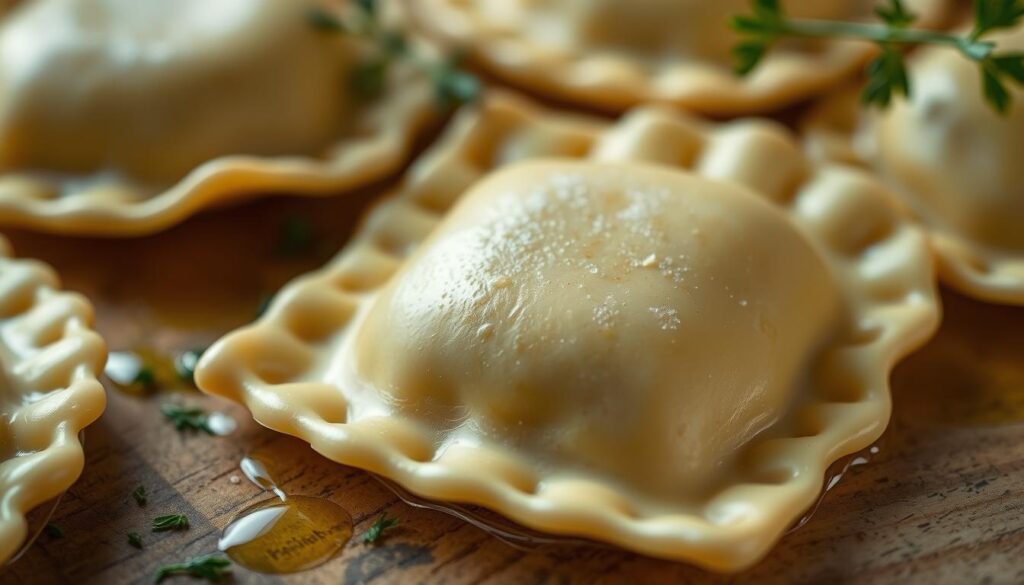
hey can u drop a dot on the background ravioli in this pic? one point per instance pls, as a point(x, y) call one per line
point(953, 160)
point(614, 54)
point(122, 117)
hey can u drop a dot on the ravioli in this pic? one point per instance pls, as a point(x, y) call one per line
point(49, 390)
point(619, 53)
point(657, 333)
point(123, 116)
point(588, 313)
point(954, 161)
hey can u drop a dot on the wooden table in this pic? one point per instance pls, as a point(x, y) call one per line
point(940, 503)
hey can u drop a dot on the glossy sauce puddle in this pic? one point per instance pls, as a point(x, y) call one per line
point(286, 533)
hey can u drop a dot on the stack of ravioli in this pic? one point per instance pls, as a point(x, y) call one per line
point(612, 298)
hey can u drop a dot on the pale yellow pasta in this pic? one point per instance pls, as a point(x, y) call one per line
point(657, 332)
point(615, 54)
point(123, 117)
point(49, 391)
point(953, 160)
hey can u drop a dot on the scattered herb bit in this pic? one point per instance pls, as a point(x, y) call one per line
point(145, 378)
point(887, 74)
point(185, 364)
point(369, 78)
point(170, 522)
point(53, 531)
point(368, 6)
point(139, 494)
point(323, 20)
point(374, 532)
point(297, 235)
point(187, 417)
point(452, 85)
point(212, 568)
point(135, 540)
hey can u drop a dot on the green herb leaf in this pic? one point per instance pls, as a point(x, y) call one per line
point(1010, 65)
point(887, 76)
point(990, 15)
point(324, 21)
point(183, 417)
point(374, 532)
point(767, 9)
point(369, 7)
point(135, 540)
point(747, 55)
point(895, 14)
point(170, 522)
point(995, 92)
point(369, 77)
point(212, 568)
point(145, 378)
point(53, 531)
point(454, 87)
point(139, 494)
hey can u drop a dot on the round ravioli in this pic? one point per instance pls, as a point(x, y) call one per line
point(954, 160)
point(657, 333)
point(118, 116)
point(618, 53)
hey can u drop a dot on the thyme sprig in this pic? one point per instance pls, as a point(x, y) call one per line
point(211, 567)
point(170, 522)
point(187, 417)
point(887, 73)
point(452, 85)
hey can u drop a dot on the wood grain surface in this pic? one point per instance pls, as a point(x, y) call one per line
point(939, 503)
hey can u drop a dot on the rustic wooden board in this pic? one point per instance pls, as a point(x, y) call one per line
point(940, 503)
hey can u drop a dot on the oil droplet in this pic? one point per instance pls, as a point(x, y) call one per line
point(275, 536)
point(256, 472)
point(833, 476)
point(285, 534)
point(221, 424)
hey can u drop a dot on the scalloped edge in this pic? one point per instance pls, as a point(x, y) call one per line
point(272, 365)
point(782, 79)
point(379, 146)
point(834, 131)
point(52, 362)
